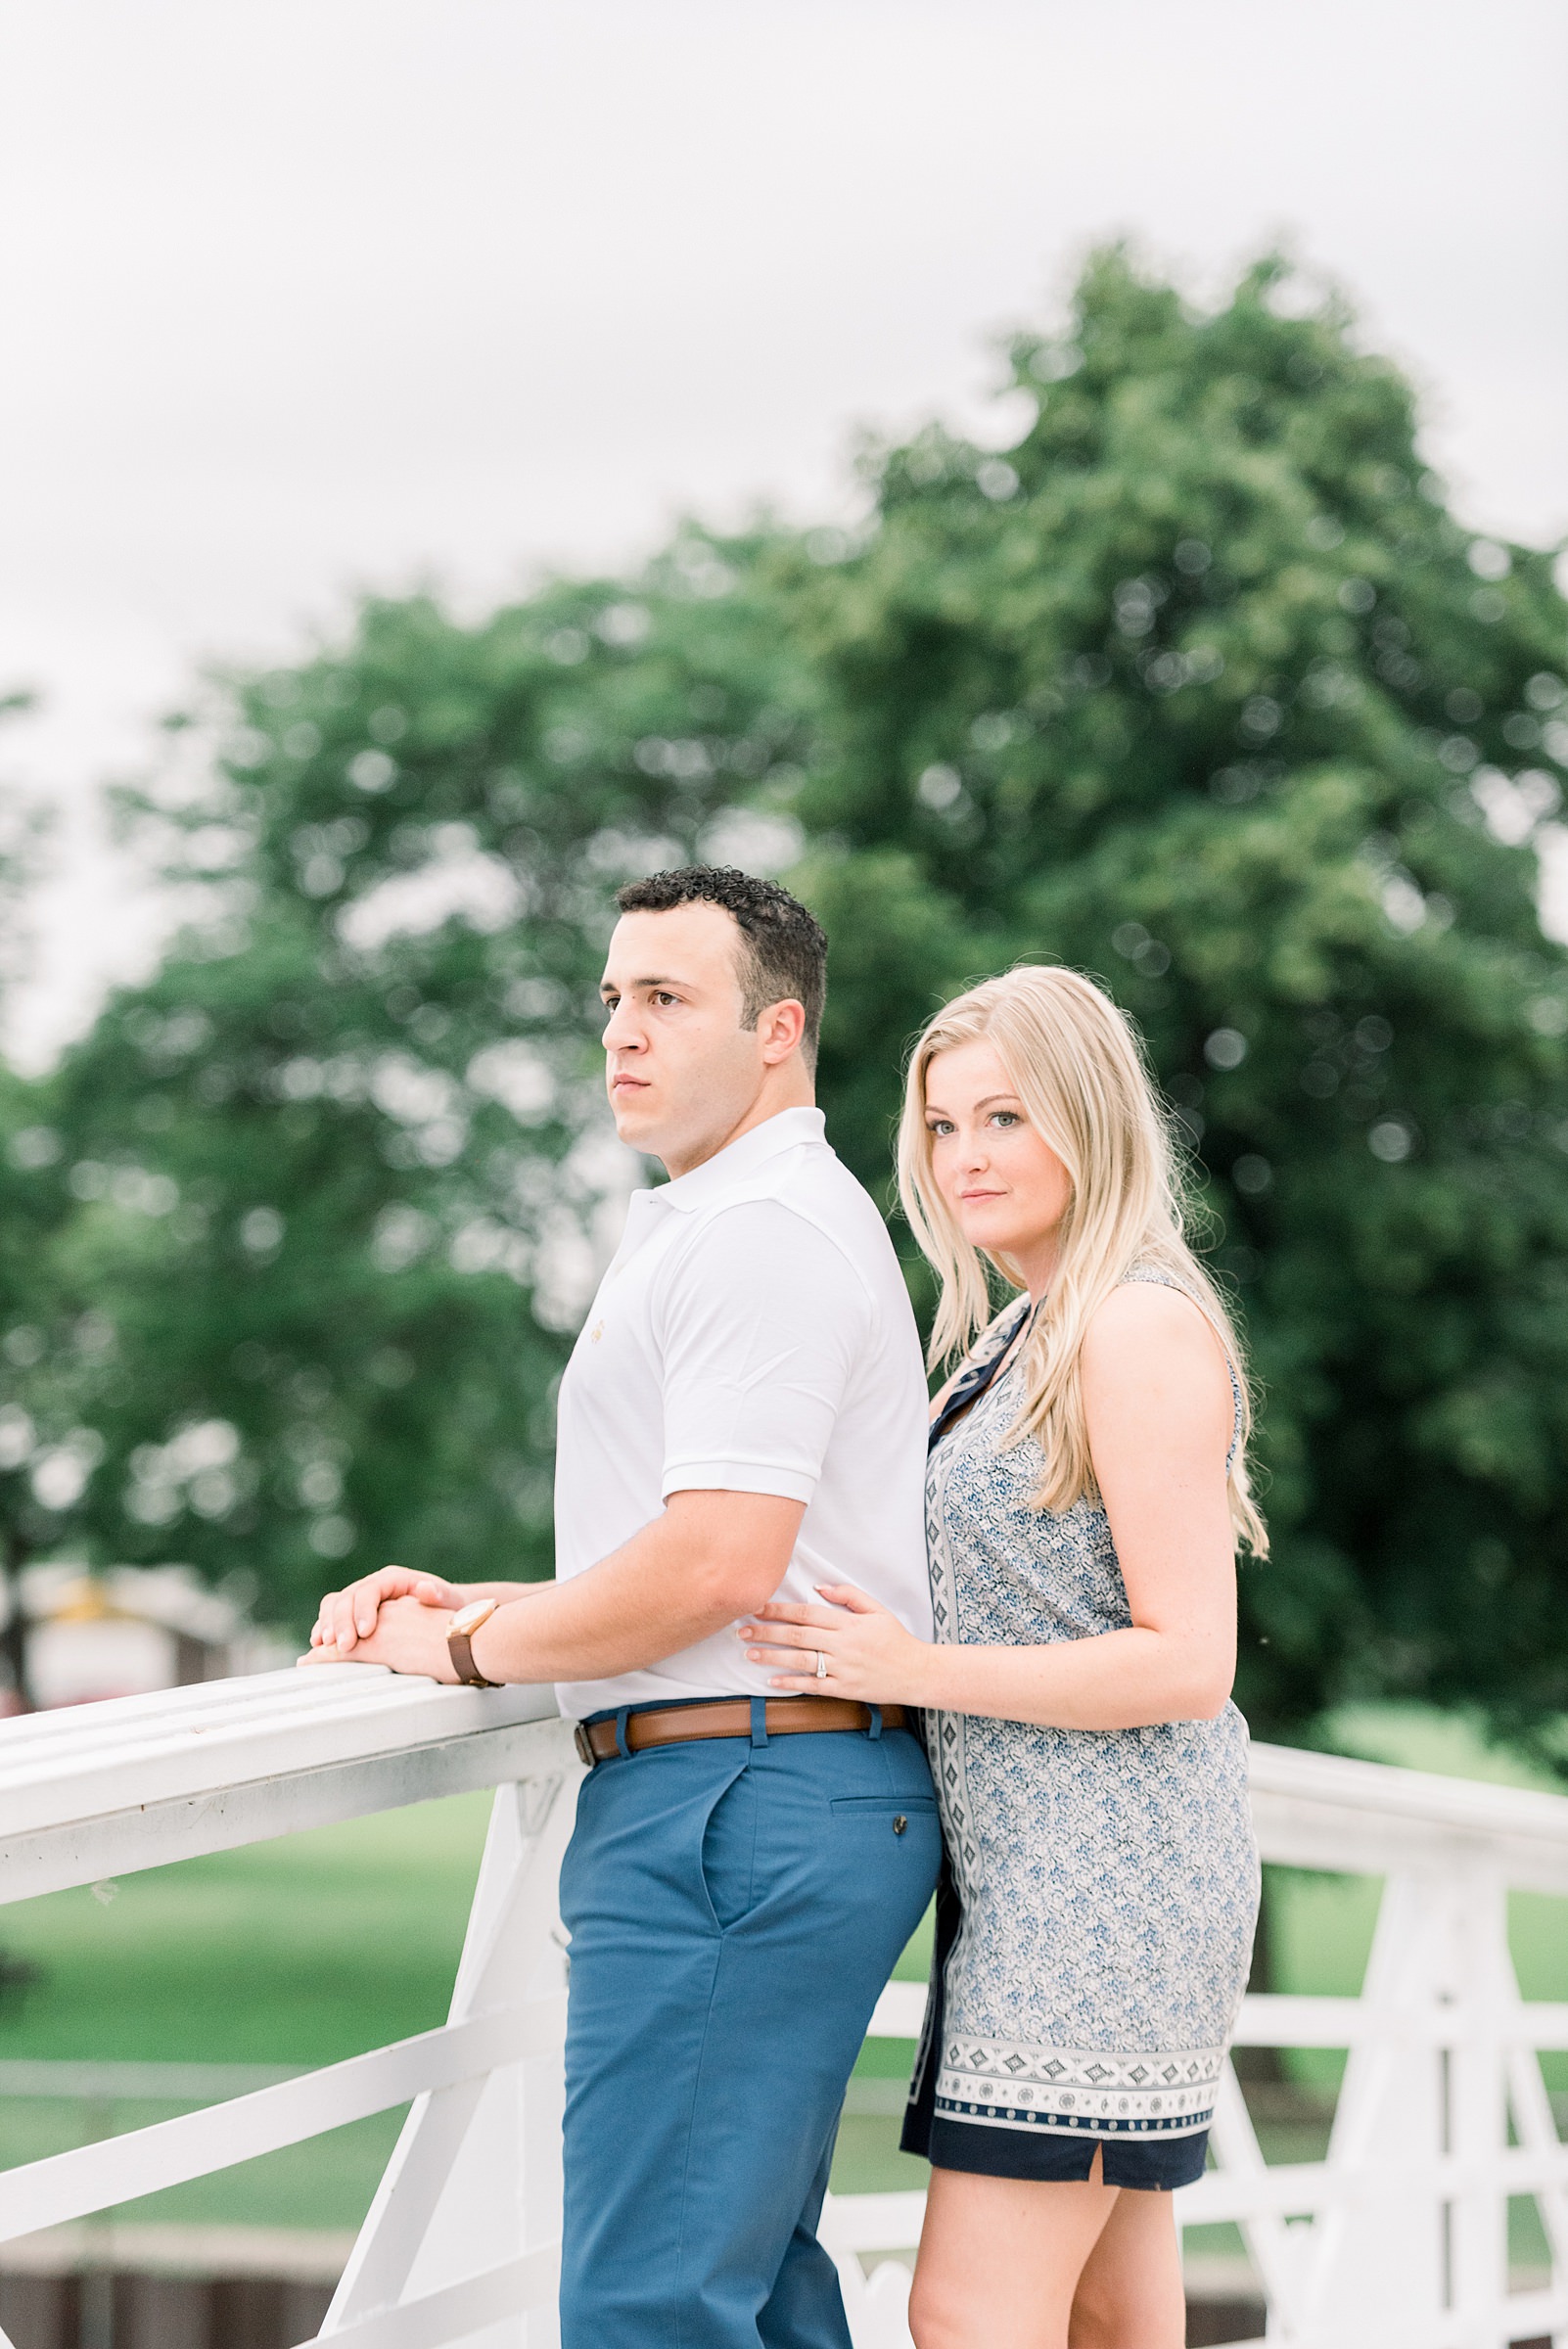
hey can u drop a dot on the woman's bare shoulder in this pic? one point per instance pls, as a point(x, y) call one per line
point(1142, 1321)
point(1155, 1385)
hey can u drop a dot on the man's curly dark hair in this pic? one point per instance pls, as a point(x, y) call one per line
point(783, 948)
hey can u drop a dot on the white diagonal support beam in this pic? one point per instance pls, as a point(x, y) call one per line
point(143, 2161)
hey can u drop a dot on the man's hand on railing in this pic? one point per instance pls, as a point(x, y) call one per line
point(347, 1618)
point(411, 1635)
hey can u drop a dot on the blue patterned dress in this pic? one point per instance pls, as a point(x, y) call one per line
point(1097, 1926)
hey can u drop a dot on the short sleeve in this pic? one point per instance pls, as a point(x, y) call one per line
point(762, 1319)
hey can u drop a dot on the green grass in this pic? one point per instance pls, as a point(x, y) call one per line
point(309, 1950)
point(299, 1951)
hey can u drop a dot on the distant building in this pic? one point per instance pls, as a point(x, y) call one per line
point(132, 1630)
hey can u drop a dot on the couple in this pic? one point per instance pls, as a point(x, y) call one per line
point(742, 1622)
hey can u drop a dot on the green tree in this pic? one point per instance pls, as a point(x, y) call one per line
point(343, 1170)
point(44, 1445)
point(1202, 688)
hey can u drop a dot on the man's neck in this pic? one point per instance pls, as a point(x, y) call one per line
point(770, 1102)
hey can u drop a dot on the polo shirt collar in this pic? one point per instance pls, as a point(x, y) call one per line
point(740, 1160)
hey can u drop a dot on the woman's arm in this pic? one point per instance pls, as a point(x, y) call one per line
point(1160, 1412)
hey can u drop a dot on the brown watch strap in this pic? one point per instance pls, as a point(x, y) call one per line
point(460, 1647)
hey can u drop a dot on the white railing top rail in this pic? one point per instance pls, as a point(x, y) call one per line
point(1313, 1810)
point(105, 1789)
point(109, 1788)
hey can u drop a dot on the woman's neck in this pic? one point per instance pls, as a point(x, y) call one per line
point(1037, 1264)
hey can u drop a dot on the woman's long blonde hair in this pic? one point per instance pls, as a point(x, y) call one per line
point(1075, 1063)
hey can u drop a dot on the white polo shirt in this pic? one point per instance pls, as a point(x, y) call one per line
point(753, 1335)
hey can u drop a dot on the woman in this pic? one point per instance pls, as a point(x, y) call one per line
point(1086, 1494)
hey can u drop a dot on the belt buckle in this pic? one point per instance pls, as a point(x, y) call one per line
point(584, 1745)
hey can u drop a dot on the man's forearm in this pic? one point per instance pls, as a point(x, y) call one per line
point(615, 1618)
point(678, 1581)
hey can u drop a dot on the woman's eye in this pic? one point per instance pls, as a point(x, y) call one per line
point(1007, 1117)
point(939, 1129)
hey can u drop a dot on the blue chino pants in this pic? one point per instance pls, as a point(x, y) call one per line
point(735, 1909)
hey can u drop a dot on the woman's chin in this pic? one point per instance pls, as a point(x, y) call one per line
point(999, 1235)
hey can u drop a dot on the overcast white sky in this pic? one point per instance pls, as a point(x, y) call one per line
point(307, 295)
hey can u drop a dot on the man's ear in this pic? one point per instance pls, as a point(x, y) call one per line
point(781, 1029)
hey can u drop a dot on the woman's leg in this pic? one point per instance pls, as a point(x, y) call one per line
point(1130, 2294)
point(1000, 2259)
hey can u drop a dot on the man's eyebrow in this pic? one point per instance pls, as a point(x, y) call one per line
point(606, 986)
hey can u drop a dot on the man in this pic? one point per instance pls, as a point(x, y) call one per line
point(743, 1417)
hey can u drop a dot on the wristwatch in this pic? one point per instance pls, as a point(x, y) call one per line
point(460, 1631)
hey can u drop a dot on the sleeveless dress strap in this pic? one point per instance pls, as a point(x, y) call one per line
point(979, 1374)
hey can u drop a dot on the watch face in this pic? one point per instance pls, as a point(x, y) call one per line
point(469, 1618)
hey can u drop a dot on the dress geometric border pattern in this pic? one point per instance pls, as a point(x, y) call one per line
point(1061, 2090)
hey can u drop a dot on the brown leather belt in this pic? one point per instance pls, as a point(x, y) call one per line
point(729, 1717)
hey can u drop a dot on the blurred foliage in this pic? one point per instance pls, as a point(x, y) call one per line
point(339, 1175)
point(1200, 687)
point(32, 1217)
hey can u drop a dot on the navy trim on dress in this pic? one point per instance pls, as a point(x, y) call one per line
point(969, 1386)
point(1148, 2165)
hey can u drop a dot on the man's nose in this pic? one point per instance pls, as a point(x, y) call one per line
point(620, 1032)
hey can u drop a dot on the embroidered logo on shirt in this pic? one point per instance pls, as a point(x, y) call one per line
point(596, 1333)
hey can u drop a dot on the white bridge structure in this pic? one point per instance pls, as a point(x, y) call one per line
point(1398, 2239)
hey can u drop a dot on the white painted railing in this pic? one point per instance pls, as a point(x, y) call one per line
point(1398, 2240)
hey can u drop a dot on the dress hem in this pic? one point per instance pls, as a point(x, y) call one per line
point(1146, 2164)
